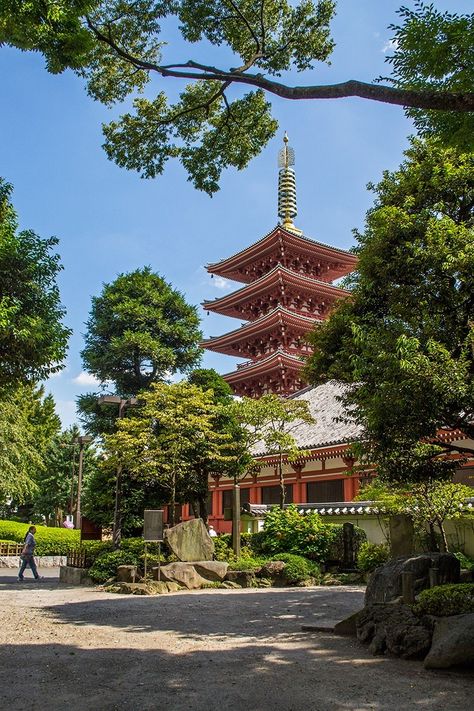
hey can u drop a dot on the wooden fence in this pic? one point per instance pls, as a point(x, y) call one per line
point(79, 559)
point(11, 548)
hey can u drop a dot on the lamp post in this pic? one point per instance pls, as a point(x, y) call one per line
point(122, 403)
point(81, 441)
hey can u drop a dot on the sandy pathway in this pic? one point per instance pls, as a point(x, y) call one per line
point(79, 648)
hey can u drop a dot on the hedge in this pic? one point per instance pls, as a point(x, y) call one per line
point(49, 541)
point(446, 600)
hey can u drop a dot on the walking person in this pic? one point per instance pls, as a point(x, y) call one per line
point(27, 555)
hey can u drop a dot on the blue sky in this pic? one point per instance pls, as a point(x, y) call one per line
point(110, 221)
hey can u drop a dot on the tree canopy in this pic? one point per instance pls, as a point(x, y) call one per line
point(33, 339)
point(404, 337)
point(140, 330)
point(119, 47)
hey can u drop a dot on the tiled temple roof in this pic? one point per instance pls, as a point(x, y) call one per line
point(332, 426)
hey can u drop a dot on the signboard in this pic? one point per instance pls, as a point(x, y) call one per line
point(153, 525)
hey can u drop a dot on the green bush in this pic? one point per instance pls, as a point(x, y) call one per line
point(246, 562)
point(223, 547)
point(288, 531)
point(8, 541)
point(371, 555)
point(49, 541)
point(466, 563)
point(446, 600)
point(297, 568)
point(336, 550)
point(105, 566)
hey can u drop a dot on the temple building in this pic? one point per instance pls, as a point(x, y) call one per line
point(288, 288)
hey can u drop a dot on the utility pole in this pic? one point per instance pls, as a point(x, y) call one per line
point(122, 403)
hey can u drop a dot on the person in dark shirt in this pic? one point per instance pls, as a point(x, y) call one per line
point(27, 555)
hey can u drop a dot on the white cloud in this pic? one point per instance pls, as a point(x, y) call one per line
point(66, 409)
point(390, 46)
point(85, 379)
point(220, 283)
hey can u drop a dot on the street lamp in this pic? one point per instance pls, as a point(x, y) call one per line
point(122, 403)
point(82, 440)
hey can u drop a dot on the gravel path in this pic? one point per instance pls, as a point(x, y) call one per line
point(79, 648)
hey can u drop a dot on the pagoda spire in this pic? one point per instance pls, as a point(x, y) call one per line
point(287, 186)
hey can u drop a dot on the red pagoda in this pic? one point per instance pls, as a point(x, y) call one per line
point(288, 289)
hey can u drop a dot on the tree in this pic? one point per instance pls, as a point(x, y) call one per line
point(117, 47)
point(140, 330)
point(171, 439)
point(33, 340)
point(403, 340)
point(56, 483)
point(429, 503)
point(268, 424)
point(28, 424)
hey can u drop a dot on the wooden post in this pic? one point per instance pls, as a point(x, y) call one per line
point(236, 520)
point(434, 577)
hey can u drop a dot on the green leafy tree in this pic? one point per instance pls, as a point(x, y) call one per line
point(403, 340)
point(429, 503)
point(28, 424)
point(171, 439)
point(139, 331)
point(56, 483)
point(33, 340)
point(118, 47)
point(267, 426)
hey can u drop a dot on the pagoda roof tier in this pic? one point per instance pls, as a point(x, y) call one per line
point(283, 246)
point(279, 373)
point(273, 289)
point(248, 339)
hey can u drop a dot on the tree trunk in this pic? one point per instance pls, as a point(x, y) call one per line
point(202, 500)
point(282, 479)
point(433, 540)
point(444, 540)
point(195, 508)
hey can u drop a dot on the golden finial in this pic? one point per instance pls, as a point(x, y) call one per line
point(287, 186)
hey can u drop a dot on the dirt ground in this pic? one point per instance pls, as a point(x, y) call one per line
point(79, 648)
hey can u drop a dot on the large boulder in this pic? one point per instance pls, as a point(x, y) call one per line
point(212, 570)
point(190, 541)
point(243, 578)
point(453, 642)
point(385, 583)
point(183, 573)
point(127, 573)
point(393, 629)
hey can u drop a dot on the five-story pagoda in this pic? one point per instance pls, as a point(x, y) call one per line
point(288, 289)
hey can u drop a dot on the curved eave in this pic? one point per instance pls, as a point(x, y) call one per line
point(280, 315)
point(229, 267)
point(269, 281)
point(275, 361)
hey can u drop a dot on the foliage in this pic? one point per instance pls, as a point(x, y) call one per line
point(33, 340)
point(117, 47)
point(49, 541)
point(446, 600)
point(466, 563)
point(287, 531)
point(433, 51)
point(297, 568)
point(139, 331)
point(336, 550)
point(172, 440)
point(405, 335)
point(267, 426)
point(372, 555)
point(245, 562)
point(105, 566)
point(429, 503)
point(28, 424)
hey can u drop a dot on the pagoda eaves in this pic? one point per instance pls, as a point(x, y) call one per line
point(279, 287)
point(295, 251)
point(257, 338)
point(278, 373)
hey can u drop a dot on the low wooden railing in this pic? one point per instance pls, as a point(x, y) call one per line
point(11, 548)
point(78, 559)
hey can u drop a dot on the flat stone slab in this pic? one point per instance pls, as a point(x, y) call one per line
point(190, 541)
point(453, 642)
point(182, 573)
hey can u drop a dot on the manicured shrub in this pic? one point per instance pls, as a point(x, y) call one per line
point(298, 569)
point(288, 531)
point(446, 600)
point(223, 547)
point(49, 541)
point(105, 566)
point(371, 555)
point(246, 562)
